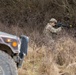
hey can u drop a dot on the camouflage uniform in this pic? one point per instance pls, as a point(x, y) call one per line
point(50, 30)
point(50, 34)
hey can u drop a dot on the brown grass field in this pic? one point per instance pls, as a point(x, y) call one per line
point(56, 58)
point(44, 61)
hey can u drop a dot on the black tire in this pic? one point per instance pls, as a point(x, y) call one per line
point(7, 65)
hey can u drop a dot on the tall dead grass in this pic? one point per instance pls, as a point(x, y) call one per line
point(59, 59)
point(44, 58)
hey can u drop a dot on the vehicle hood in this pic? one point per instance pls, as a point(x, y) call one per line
point(3, 34)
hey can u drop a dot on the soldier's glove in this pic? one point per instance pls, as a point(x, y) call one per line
point(71, 26)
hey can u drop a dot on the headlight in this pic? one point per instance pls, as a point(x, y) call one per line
point(14, 44)
point(8, 40)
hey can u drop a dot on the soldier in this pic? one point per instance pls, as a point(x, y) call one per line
point(50, 29)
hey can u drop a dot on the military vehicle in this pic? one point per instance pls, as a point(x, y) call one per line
point(12, 52)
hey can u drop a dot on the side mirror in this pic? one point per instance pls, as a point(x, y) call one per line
point(24, 45)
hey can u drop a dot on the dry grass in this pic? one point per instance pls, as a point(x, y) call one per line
point(58, 58)
point(33, 63)
point(44, 61)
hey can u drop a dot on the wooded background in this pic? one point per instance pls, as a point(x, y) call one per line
point(36, 13)
point(29, 17)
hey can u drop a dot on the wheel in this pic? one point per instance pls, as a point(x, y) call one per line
point(7, 65)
